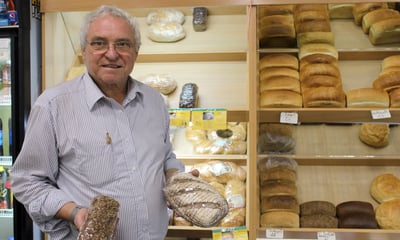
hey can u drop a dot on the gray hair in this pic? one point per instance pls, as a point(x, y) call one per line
point(111, 11)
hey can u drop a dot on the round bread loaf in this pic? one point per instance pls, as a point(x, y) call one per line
point(367, 97)
point(278, 173)
point(358, 220)
point(280, 203)
point(318, 48)
point(385, 187)
point(318, 221)
point(278, 188)
point(374, 134)
point(195, 200)
point(277, 161)
point(280, 219)
point(377, 15)
point(280, 99)
point(388, 214)
point(388, 81)
point(280, 83)
point(394, 97)
point(279, 60)
point(353, 207)
point(317, 207)
point(324, 97)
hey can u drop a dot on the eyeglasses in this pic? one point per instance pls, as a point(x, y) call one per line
point(101, 46)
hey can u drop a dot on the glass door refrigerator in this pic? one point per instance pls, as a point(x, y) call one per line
point(17, 52)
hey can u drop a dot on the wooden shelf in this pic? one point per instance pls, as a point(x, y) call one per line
point(328, 115)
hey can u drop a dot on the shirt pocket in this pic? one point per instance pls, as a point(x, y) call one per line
point(96, 165)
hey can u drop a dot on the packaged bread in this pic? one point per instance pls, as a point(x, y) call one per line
point(388, 214)
point(367, 97)
point(166, 32)
point(164, 83)
point(378, 15)
point(385, 187)
point(276, 138)
point(180, 221)
point(236, 217)
point(385, 31)
point(200, 16)
point(280, 99)
point(272, 162)
point(220, 171)
point(360, 9)
point(189, 96)
point(102, 219)
point(165, 15)
point(195, 135)
point(235, 193)
point(374, 134)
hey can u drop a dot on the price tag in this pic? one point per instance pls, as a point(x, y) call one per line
point(289, 117)
point(274, 233)
point(326, 236)
point(209, 118)
point(380, 114)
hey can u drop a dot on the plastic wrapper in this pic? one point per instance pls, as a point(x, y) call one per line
point(277, 161)
point(276, 138)
point(200, 19)
point(102, 219)
point(163, 83)
point(165, 15)
point(195, 200)
point(188, 97)
point(220, 171)
point(235, 217)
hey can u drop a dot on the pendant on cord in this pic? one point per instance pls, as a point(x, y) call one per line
point(108, 138)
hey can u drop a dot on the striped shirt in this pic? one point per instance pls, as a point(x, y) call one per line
point(80, 144)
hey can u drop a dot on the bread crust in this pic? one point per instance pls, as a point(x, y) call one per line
point(367, 97)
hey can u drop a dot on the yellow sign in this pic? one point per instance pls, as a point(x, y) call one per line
point(179, 117)
point(208, 119)
point(238, 233)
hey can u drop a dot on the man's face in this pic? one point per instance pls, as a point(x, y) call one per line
point(109, 51)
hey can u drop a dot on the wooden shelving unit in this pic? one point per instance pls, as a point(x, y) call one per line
point(224, 62)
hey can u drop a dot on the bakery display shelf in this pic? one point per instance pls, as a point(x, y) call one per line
point(191, 232)
point(274, 2)
point(328, 115)
point(340, 234)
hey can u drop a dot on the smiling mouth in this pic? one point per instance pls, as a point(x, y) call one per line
point(111, 66)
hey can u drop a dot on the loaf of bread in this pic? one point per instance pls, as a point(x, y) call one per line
point(360, 9)
point(317, 207)
point(279, 9)
point(235, 193)
point(279, 60)
point(315, 37)
point(367, 97)
point(324, 97)
point(164, 83)
point(358, 220)
point(195, 200)
point(326, 69)
point(385, 31)
point(280, 219)
point(315, 81)
point(374, 134)
point(102, 219)
point(189, 96)
point(280, 99)
point(318, 48)
point(378, 15)
point(200, 16)
point(318, 221)
point(276, 138)
point(340, 10)
point(394, 97)
point(319, 58)
point(271, 162)
point(311, 15)
point(270, 72)
point(166, 32)
point(388, 214)
point(354, 207)
point(280, 203)
point(385, 187)
point(278, 173)
point(310, 7)
point(278, 188)
point(390, 62)
point(387, 81)
point(280, 83)
point(313, 26)
point(235, 217)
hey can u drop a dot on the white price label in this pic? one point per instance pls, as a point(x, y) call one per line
point(326, 236)
point(274, 233)
point(380, 114)
point(289, 117)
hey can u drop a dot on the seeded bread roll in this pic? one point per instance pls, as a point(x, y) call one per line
point(279, 60)
point(374, 134)
point(385, 31)
point(378, 15)
point(367, 97)
point(385, 187)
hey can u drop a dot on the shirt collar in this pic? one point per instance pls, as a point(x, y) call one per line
point(94, 94)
